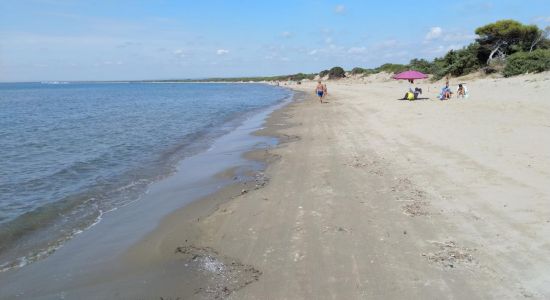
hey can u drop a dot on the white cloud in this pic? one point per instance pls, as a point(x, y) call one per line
point(222, 51)
point(313, 52)
point(277, 52)
point(386, 44)
point(357, 50)
point(434, 33)
point(442, 49)
point(340, 9)
point(542, 19)
point(128, 44)
point(179, 53)
point(397, 54)
point(458, 37)
point(286, 34)
point(437, 35)
point(109, 62)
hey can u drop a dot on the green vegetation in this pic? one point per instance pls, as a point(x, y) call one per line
point(527, 62)
point(300, 76)
point(506, 37)
point(392, 68)
point(336, 73)
point(421, 65)
point(357, 71)
point(458, 62)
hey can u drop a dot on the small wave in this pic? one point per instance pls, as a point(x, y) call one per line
point(22, 261)
point(54, 82)
point(40, 232)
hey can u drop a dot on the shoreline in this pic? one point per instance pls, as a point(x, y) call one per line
point(367, 196)
point(24, 246)
point(241, 172)
point(155, 252)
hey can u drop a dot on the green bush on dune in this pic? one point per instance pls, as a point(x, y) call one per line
point(301, 76)
point(323, 73)
point(357, 71)
point(392, 68)
point(336, 73)
point(421, 65)
point(458, 62)
point(527, 62)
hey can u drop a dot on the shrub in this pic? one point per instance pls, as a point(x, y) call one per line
point(358, 70)
point(392, 68)
point(523, 62)
point(421, 65)
point(323, 73)
point(301, 76)
point(336, 73)
point(458, 62)
point(489, 70)
point(544, 44)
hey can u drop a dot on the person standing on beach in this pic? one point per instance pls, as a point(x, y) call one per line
point(321, 90)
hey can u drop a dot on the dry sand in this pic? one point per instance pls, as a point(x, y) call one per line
point(369, 197)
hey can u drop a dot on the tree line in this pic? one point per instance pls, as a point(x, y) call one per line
point(505, 46)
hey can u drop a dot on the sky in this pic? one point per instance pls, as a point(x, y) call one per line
point(44, 40)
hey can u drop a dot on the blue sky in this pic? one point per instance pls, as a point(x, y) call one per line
point(161, 39)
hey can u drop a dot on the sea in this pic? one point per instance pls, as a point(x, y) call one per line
point(70, 152)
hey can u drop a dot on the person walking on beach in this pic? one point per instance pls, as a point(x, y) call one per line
point(321, 90)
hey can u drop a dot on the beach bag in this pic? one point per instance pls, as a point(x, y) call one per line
point(410, 96)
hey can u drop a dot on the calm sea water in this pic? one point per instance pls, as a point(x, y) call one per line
point(70, 152)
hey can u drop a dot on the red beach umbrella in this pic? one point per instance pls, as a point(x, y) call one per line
point(410, 75)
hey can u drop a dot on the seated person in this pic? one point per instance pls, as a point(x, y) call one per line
point(417, 91)
point(461, 91)
point(412, 95)
point(445, 93)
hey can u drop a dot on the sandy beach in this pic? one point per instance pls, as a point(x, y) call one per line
point(365, 197)
point(179, 150)
point(372, 197)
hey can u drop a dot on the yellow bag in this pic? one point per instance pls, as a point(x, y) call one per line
point(410, 96)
